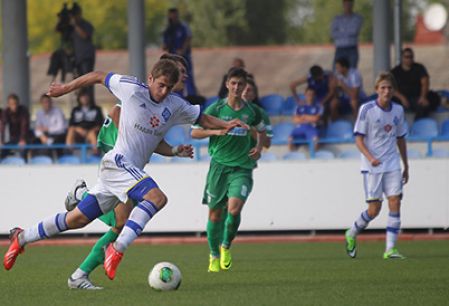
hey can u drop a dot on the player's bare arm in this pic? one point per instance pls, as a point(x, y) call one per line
point(402, 146)
point(364, 150)
point(91, 78)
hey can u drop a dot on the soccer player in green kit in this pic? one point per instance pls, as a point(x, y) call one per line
point(116, 218)
point(233, 158)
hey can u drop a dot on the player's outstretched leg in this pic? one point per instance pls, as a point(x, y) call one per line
point(231, 226)
point(76, 194)
point(351, 234)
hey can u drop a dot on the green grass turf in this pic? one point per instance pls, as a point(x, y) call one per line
point(263, 274)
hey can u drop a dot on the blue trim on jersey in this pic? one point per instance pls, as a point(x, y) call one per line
point(135, 173)
point(134, 226)
point(359, 134)
point(383, 109)
point(40, 228)
point(107, 79)
point(142, 188)
point(134, 83)
point(366, 108)
point(402, 136)
point(90, 208)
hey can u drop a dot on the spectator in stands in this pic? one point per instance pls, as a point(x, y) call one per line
point(350, 91)
point(85, 122)
point(251, 94)
point(16, 120)
point(51, 125)
point(83, 47)
point(236, 63)
point(177, 38)
point(306, 118)
point(345, 31)
point(414, 86)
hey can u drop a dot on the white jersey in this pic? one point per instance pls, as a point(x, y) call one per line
point(380, 129)
point(144, 122)
point(353, 80)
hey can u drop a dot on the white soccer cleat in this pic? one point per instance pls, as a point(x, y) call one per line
point(71, 201)
point(82, 283)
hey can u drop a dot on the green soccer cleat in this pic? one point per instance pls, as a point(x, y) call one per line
point(351, 245)
point(225, 258)
point(214, 264)
point(393, 254)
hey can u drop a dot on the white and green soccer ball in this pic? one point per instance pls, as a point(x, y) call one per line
point(165, 276)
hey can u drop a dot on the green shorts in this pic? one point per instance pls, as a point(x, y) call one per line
point(224, 182)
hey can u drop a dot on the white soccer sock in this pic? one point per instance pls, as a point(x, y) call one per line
point(140, 216)
point(360, 224)
point(78, 274)
point(393, 227)
point(45, 229)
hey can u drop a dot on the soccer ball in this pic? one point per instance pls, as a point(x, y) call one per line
point(165, 276)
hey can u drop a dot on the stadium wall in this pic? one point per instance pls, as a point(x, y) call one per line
point(287, 195)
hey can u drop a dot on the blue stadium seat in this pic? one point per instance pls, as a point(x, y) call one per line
point(324, 154)
point(281, 132)
point(272, 104)
point(294, 156)
point(445, 128)
point(440, 153)
point(289, 106)
point(93, 159)
point(349, 154)
point(176, 136)
point(340, 129)
point(268, 157)
point(425, 127)
point(69, 160)
point(157, 159)
point(13, 160)
point(414, 154)
point(40, 160)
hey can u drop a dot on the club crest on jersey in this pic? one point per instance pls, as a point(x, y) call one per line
point(388, 128)
point(166, 114)
point(154, 121)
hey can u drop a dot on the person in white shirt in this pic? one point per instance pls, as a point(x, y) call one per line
point(379, 129)
point(147, 113)
point(51, 125)
point(350, 93)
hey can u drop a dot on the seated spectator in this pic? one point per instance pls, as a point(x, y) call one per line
point(323, 84)
point(414, 86)
point(350, 91)
point(51, 126)
point(307, 116)
point(85, 122)
point(16, 120)
point(250, 94)
point(236, 63)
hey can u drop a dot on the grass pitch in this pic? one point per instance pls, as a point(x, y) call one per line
point(263, 274)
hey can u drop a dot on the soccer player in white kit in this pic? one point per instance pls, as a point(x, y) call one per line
point(379, 128)
point(148, 112)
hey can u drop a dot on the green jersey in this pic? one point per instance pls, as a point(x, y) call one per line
point(232, 149)
point(107, 136)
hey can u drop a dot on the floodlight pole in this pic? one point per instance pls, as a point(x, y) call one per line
point(136, 39)
point(381, 37)
point(16, 69)
point(397, 31)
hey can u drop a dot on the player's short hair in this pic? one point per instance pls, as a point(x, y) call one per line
point(385, 76)
point(175, 57)
point(316, 71)
point(235, 72)
point(343, 61)
point(173, 10)
point(44, 96)
point(168, 68)
point(14, 97)
point(408, 50)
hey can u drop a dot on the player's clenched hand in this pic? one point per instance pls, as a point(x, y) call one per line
point(183, 151)
point(405, 176)
point(56, 90)
point(254, 153)
point(375, 162)
point(237, 122)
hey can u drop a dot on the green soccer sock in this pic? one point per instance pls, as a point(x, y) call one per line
point(214, 234)
point(230, 229)
point(96, 255)
point(85, 194)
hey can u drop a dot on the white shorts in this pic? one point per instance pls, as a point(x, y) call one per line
point(389, 183)
point(116, 177)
